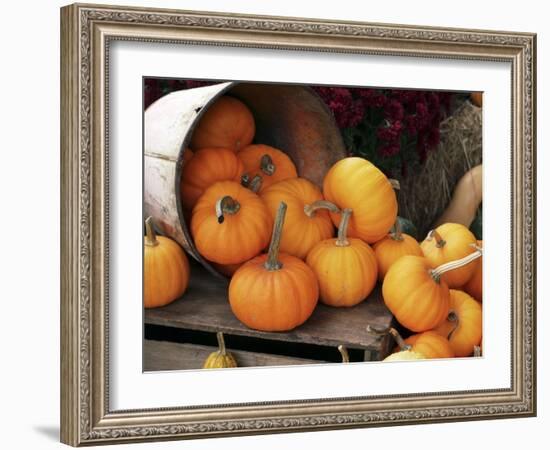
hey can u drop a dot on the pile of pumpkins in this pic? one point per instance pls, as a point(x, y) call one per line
point(330, 246)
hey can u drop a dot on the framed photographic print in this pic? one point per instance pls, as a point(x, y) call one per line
point(279, 225)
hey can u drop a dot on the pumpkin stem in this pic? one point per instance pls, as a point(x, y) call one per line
point(342, 240)
point(221, 343)
point(477, 351)
point(344, 352)
point(394, 333)
point(440, 242)
point(453, 318)
point(151, 239)
point(394, 184)
point(440, 270)
point(272, 262)
point(245, 180)
point(226, 205)
point(320, 204)
point(397, 233)
point(255, 184)
point(266, 165)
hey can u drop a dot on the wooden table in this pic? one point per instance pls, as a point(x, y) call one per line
point(205, 308)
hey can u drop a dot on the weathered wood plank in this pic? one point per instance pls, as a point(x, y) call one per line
point(161, 355)
point(205, 307)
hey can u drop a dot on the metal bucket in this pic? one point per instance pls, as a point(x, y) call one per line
point(291, 118)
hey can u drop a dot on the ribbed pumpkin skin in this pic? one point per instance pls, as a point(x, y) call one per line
point(469, 330)
point(458, 240)
point(165, 273)
point(241, 236)
point(431, 345)
point(207, 166)
point(388, 250)
point(228, 123)
point(474, 286)
point(357, 184)
point(251, 157)
point(300, 232)
point(411, 294)
point(217, 360)
point(347, 275)
point(277, 300)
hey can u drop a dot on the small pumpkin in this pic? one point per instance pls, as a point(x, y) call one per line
point(463, 325)
point(405, 352)
point(392, 247)
point(307, 221)
point(230, 224)
point(449, 242)
point(207, 166)
point(220, 359)
point(274, 292)
point(228, 123)
point(417, 294)
point(345, 267)
point(165, 269)
point(474, 286)
point(357, 184)
point(431, 344)
point(265, 165)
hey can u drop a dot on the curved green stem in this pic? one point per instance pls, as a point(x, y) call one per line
point(151, 239)
point(266, 165)
point(344, 352)
point(443, 268)
point(272, 262)
point(342, 240)
point(221, 343)
point(320, 204)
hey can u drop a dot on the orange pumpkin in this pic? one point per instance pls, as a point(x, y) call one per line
point(416, 298)
point(417, 294)
point(431, 344)
point(357, 184)
point(307, 221)
point(230, 224)
point(274, 292)
point(165, 269)
point(345, 267)
point(449, 242)
point(228, 123)
point(207, 166)
point(463, 326)
point(474, 286)
point(392, 247)
point(265, 165)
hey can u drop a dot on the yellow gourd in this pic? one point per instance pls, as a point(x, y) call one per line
point(220, 359)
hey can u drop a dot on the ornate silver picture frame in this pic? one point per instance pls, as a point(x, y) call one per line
point(87, 32)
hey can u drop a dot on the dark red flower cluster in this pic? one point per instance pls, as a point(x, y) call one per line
point(398, 119)
point(155, 88)
point(348, 110)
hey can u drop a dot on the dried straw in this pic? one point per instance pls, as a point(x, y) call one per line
point(424, 195)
